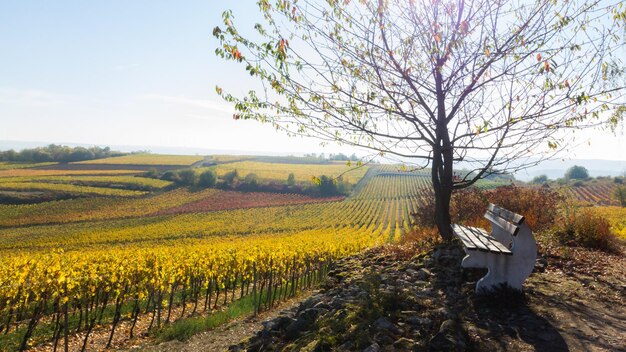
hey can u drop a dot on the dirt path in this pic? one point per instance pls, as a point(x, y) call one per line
point(585, 305)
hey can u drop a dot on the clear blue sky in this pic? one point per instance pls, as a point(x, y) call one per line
point(138, 72)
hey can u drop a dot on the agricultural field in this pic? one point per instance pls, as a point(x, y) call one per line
point(148, 159)
point(592, 193)
point(14, 165)
point(270, 171)
point(55, 172)
point(177, 244)
point(120, 181)
point(98, 271)
point(67, 188)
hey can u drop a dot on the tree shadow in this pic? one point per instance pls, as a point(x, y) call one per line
point(506, 316)
point(498, 321)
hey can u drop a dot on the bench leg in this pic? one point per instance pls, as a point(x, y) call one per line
point(497, 274)
point(524, 257)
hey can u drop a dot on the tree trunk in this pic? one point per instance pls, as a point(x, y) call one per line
point(442, 211)
point(442, 162)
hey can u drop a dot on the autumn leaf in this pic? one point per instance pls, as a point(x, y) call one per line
point(538, 57)
point(236, 54)
point(546, 66)
point(464, 27)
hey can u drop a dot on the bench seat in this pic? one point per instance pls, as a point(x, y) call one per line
point(474, 238)
point(508, 252)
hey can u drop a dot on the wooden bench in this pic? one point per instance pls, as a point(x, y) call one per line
point(508, 252)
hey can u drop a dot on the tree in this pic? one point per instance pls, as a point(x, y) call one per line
point(207, 179)
point(540, 179)
point(490, 86)
point(577, 173)
point(291, 179)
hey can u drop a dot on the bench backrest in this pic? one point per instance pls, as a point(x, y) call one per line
point(506, 219)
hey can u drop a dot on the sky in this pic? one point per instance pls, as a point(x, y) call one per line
point(143, 73)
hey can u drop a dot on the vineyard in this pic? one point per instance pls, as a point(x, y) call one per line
point(148, 159)
point(132, 266)
point(88, 273)
point(599, 193)
point(272, 171)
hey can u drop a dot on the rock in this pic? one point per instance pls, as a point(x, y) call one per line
point(403, 344)
point(309, 315)
point(310, 302)
point(323, 305)
point(419, 321)
point(383, 323)
point(347, 346)
point(541, 264)
point(277, 323)
point(295, 329)
point(445, 313)
point(372, 348)
point(423, 274)
point(258, 345)
point(449, 338)
point(411, 272)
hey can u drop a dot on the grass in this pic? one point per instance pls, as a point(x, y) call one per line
point(183, 329)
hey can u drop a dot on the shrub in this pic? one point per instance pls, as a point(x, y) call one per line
point(327, 186)
point(619, 180)
point(251, 179)
point(586, 229)
point(539, 206)
point(152, 173)
point(187, 177)
point(170, 176)
point(540, 179)
point(578, 183)
point(207, 179)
